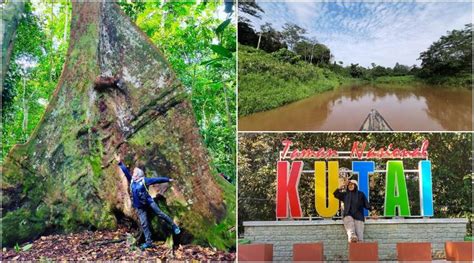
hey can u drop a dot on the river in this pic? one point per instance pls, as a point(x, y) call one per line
point(345, 109)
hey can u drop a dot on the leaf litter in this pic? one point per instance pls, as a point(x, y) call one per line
point(108, 245)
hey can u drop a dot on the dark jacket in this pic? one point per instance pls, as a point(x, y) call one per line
point(354, 203)
point(140, 196)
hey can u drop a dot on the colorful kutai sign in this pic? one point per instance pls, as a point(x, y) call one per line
point(326, 178)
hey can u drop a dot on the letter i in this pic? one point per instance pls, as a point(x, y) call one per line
point(426, 188)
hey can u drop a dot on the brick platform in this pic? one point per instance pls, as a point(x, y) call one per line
point(386, 232)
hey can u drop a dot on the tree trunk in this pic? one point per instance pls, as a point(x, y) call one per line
point(64, 178)
point(259, 39)
point(66, 12)
point(11, 15)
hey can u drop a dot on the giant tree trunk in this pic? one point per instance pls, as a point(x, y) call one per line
point(117, 93)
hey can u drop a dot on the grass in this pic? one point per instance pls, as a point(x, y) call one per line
point(398, 80)
point(458, 81)
point(266, 83)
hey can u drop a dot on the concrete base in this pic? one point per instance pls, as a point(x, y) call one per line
point(386, 232)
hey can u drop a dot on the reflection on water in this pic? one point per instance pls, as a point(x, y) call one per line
point(405, 109)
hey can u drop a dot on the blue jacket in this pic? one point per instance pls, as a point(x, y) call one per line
point(140, 196)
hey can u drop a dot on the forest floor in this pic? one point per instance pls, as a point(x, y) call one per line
point(107, 245)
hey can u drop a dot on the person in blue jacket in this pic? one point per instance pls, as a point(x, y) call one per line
point(141, 199)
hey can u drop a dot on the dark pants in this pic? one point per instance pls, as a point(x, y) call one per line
point(146, 224)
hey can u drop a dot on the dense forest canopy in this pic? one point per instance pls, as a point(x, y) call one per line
point(450, 55)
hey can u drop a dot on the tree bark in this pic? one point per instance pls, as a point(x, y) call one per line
point(64, 178)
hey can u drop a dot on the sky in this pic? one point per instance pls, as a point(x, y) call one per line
point(383, 33)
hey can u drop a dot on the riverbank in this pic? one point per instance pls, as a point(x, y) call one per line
point(346, 108)
point(408, 81)
point(266, 82)
point(271, 80)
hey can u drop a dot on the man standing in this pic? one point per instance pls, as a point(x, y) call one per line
point(141, 199)
point(353, 215)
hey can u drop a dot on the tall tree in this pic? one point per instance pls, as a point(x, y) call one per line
point(356, 71)
point(400, 70)
point(251, 8)
point(117, 93)
point(271, 39)
point(450, 55)
point(292, 34)
point(11, 15)
point(36, 63)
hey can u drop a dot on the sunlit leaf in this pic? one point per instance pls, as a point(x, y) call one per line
point(221, 51)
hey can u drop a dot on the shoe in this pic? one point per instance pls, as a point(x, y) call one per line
point(145, 246)
point(176, 230)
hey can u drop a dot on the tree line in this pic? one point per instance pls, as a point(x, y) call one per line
point(447, 58)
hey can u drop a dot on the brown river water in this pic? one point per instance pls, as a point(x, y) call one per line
point(345, 109)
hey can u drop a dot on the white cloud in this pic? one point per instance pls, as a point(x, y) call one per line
point(383, 33)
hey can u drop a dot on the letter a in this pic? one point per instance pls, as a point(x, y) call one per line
point(396, 190)
point(287, 189)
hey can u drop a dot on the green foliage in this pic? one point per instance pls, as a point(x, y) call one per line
point(21, 225)
point(450, 154)
point(397, 80)
point(292, 34)
point(450, 55)
point(17, 248)
point(313, 52)
point(26, 247)
point(400, 70)
point(357, 71)
point(132, 8)
point(284, 55)
point(267, 81)
point(35, 67)
point(201, 50)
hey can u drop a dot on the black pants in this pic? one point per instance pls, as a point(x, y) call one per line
point(146, 224)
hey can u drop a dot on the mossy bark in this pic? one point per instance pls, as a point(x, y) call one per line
point(64, 178)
